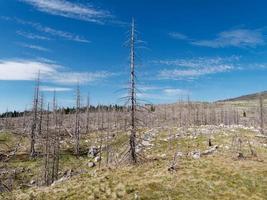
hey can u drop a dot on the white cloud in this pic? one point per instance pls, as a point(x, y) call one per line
point(163, 95)
point(177, 74)
point(148, 88)
point(195, 67)
point(35, 47)
point(47, 30)
point(236, 38)
point(32, 36)
point(175, 92)
point(27, 70)
point(70, 10)
point(178, 36)
point(75, 77)
point(56, 89)
point(62, 34)
point(198, 62)
point(24, 70)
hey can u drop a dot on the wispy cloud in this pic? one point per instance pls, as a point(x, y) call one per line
point(32, 36)
point(62, 34)
point(198, 62)
point(48, 30)
point(54, 89)
point(193, 73)
point(84, 77)
point(34, 47)
point(70, 10)
point(163, 95)
point(195, 67)
point(175, 92)
point(27, 70)
point(236, 38)
point(177, 35)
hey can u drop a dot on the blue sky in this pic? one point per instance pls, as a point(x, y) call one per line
point(207, 49)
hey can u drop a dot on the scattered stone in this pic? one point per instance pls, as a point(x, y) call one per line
point(93, 151)
point(68, 173)
point(97, 159)
point(163, 155)
point(179, 154)
point(91, 164)
point(195, 154)
point(146, 143)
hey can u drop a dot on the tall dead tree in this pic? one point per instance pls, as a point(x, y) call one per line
point(35, 116)
point(133, 95)
point(47, 151)
point(87, 114)
point(77, 122)
point(55, 140)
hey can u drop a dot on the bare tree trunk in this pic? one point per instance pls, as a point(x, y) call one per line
point(87, 114)
point(133, 97)
point(77, 122)
point(41, 115)
point(35, 117)
point(47, 150)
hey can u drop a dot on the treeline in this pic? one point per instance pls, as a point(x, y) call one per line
point(67, 110)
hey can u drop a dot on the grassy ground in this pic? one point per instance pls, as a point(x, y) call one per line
point(217, 176)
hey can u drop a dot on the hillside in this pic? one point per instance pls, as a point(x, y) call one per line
point(248, 97)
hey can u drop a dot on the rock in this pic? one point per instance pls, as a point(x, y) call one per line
point(179, 154)
point(97, 159)
point(93, 151)
point(163, 155)
point(32, 182)
point(195, 154)
point(91, 164)
point(68, 173)
point(145, 143)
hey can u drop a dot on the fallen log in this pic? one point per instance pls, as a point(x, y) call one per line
point(210, 150)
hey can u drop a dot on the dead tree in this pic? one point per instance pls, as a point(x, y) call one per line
point(87, 114)
point(55, 141)
point(77, 122)
point(35, 116)
point(107, 140)
point(47, 151)
point(261, 114)
point(41, 115)
point(133, 95)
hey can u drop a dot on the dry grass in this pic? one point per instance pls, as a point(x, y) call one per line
point(217, 176)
